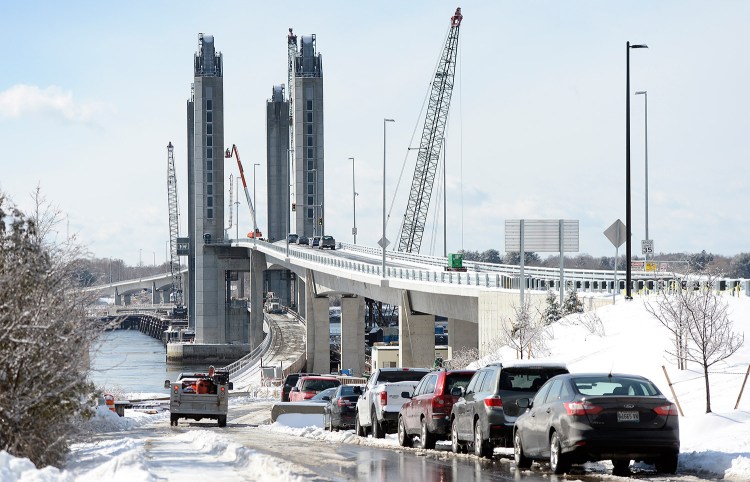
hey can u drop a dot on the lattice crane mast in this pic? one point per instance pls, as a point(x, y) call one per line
point(432, 140)
point(174, 230)
point(228, 154)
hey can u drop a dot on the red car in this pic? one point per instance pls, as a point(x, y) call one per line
point(428, 413)
point(307, 387)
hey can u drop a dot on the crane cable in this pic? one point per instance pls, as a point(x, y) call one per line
point(416, 125)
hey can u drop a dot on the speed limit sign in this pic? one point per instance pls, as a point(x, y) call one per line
point(647, 246)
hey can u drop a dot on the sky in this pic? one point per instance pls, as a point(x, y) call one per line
point(712, 446)
point(92, 92)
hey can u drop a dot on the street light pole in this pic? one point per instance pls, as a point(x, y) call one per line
point(354, 204)
point(644, 93)
point(628, 229)
point(288, 200)
point(255, 207)
point(382, 240)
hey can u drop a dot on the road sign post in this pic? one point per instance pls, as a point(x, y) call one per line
point(616, 235)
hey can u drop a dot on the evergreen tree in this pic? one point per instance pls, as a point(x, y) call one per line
point(552, 312)
point(572, 304)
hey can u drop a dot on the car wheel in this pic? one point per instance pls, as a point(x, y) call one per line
point(620, 466)
point(222, 420)
point(482, 448)
point(666, 464)
point(357, 427)
point(522, 462)
point(456, 446)
point(559, 463)
point(173, 420)
point(404, 439)
point(428, 439)
point(377, 429)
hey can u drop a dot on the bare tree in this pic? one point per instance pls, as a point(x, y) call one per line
point(698, 318)
point(527, 332)
point(44, 338)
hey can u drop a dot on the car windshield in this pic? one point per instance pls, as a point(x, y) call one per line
point(327, 238)
point(615, 385)
point(402, 376)
point(317, 385)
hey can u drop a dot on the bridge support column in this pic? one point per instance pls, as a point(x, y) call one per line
point(318, 328)
point(155, 298)
point(416, 335)
point(462, 335)
point(117, 297)
point(126, 299)
point(353, 334)
point(258, 264)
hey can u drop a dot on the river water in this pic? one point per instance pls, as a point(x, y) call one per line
point(127, 362)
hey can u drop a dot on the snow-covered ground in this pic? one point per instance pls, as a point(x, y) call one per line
point(715, 445)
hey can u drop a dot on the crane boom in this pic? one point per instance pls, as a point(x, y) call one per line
point(432, 139)
point(174, 228)
point(228, 154)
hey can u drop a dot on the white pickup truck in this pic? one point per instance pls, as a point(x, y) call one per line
point(200, 395)
point(381, 400)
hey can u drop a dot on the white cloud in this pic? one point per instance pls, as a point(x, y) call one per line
point(22, 99)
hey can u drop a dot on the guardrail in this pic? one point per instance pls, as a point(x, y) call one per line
point(255, 355)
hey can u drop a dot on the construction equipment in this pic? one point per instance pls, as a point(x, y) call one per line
point(412, 229)
point(228, 154)
point(174, 231)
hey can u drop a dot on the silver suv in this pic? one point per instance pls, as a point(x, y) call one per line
point(484, 415)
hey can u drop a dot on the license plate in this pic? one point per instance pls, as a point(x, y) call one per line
point(627, 417)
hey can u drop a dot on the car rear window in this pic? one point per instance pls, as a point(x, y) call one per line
point(527, 379)
point(402, 376)
point(319, 384)
point(348, 390)
point(454, 380)
point(615, 386)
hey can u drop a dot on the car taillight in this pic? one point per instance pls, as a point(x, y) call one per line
point(493, 402)
point(343, 402)
point(581, 408)
point(670, 409)
point(176, 388)
point(384, 398)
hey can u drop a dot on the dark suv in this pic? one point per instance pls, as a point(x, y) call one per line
point(484, 415)
point(428, 412)
point(289, 382)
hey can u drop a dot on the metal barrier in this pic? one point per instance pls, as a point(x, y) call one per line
point(257, 353)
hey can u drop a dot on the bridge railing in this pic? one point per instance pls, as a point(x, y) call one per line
point(254, 356)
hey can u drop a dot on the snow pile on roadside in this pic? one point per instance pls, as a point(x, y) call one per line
point(21, 469)
point(105, 420)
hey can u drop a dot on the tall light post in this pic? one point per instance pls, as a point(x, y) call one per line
point(383, 241)
point(354, 204)
point(255, 214)
point(628, 229)
point(644, 93)
point(288, 199)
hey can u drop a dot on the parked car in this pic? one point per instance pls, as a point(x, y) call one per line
point(315, 242)
point(308, 386)
point(484, 415)
point(292, 238)
point(327, 242)
point(577, 418)
point(302, 239)
point(428, 412)
point(289, 382)
point(341, 409)
point(323, 396)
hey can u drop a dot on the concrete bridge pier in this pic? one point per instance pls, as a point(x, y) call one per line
point(318, 329)
point(416, 334)
point(353, 334)
point(126, 299)
point(155, 295)
point(258, 265)
point(462, 335)
point(118, 298)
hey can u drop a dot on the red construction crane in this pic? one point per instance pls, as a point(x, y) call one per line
point(255, 233)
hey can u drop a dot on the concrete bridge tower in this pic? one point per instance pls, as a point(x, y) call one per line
point(211, 313)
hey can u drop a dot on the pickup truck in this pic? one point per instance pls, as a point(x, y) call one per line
point(199, 395)
point(381, 400)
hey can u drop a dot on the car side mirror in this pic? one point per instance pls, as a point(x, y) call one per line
point(457, 391)
point(230, 386)
point(167, 383)
point(523, 403)
point(357, 391)
point(405, 395)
